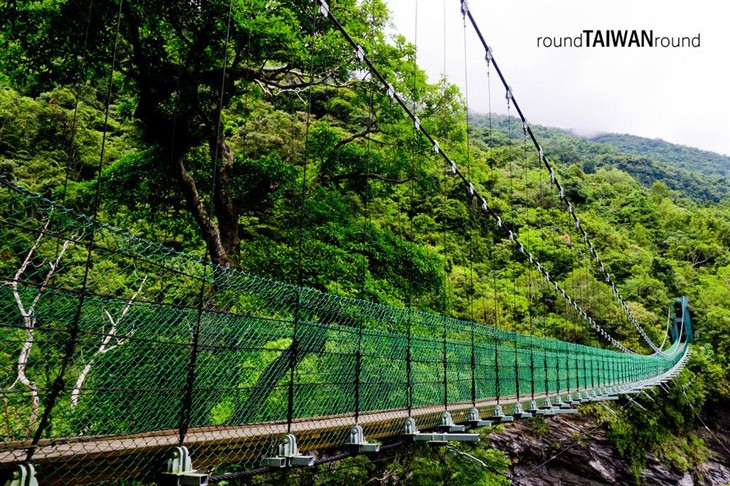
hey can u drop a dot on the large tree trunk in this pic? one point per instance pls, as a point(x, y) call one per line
point(221, 236)
point(176, 139)
point(208, 227)
point(226, 210)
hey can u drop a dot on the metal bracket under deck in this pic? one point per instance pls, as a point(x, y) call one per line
point(22, 475)
point(411, 430)
point(357, 440)
point(179, 470)
point(474, 419)
point(498, 416)
point(288, 455)
point(519, 413)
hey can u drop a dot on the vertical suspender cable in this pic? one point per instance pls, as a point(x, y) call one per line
point(526, 172)
point(470, 288)
point(294, 354)
point(409, 297)
point(74, 328)
point(366, 226)
point(187, 404)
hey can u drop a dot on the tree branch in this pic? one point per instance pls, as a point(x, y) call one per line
point(104, 347)
point(369, 130)
point(30, 321)
point(211, 233)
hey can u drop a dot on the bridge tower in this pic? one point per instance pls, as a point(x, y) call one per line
point(682, 320)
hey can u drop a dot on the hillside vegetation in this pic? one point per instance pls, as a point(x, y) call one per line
point(694, 173)
point(692, 159)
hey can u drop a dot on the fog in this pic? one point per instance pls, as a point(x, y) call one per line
point(680, 95)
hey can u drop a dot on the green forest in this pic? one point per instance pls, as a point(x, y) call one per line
point(247, 133)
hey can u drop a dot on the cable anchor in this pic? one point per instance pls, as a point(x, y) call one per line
point(179, 470)
point(357, 440)
point(448, 425)
point(519, 413)
point(288, 455)
point(498, 415)
point(474, 419)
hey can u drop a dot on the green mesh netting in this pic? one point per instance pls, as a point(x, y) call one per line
point(133, 363)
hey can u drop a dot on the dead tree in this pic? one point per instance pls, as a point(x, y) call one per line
point(106, 341)
point(27, 312)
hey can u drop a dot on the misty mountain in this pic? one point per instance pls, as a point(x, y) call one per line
point(698, 174)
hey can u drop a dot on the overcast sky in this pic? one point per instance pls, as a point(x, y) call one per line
point(681, 95)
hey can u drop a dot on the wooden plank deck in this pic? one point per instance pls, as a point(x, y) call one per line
point(92, 459)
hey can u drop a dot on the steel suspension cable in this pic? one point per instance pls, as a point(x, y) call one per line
point(74, 327)
point(473, 192)
point(558, 186)
point(187, 402)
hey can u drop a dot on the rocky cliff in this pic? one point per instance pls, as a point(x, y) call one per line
point(582, 454)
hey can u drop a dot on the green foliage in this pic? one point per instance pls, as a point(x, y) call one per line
point(412, 465)
point(665, 424)
point(676, 155)
point(44, 139)
point(693, 173)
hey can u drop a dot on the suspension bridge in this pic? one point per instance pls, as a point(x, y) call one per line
point(125, 359)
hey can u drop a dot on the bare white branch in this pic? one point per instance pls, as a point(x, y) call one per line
point(29, 319)
point(105, 346)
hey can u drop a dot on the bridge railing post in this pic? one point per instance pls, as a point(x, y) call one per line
point(568, 375)
point(545, 371)
point(592, 361)
point(186, 405)
point(517, 370)
point(613, 370)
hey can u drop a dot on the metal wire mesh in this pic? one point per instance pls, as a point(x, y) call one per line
point(102, 376)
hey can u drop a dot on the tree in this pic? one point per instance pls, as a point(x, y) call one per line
point(27, 312)
point(184, 63)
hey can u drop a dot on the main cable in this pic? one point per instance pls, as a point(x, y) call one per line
point(473, 192)
point(558, 186)
point(74, 327)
